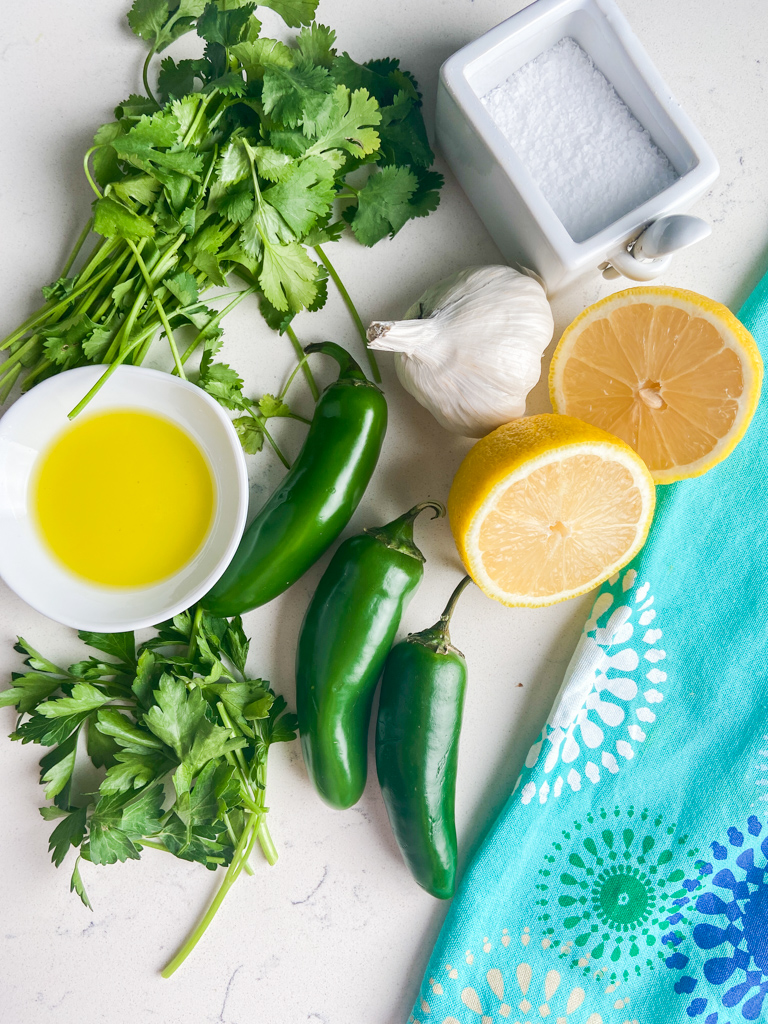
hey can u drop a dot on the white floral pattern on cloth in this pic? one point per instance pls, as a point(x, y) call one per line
point(610, 696)
point(514, 986)
point(761, 782)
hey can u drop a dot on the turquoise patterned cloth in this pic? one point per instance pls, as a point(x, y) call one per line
point(626, 880)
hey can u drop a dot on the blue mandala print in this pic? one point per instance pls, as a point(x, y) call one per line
point(730, 904)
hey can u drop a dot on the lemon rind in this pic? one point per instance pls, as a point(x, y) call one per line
point(619, 452)
point(692, 302)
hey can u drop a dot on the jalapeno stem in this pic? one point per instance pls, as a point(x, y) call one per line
point(348, 368)
point(438, 638)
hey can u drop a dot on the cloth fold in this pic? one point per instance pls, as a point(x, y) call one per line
point(626, 879)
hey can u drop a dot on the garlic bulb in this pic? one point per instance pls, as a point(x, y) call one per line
point(470, 349)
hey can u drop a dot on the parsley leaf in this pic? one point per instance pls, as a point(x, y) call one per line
point(69, 832)
point(180, 719)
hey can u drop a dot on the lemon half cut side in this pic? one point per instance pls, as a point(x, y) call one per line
point(548, 507)
point(673, 373)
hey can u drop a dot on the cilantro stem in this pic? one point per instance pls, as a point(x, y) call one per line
point(102, 379)
point(352, 310)
point(302, 357)
point(239, 296)
point(263, 425)
point(78, 246)
point(160, 309)
point(10, 380)
point(18, 355)
point(145, 71)
point(86, 168)
point(32, 376)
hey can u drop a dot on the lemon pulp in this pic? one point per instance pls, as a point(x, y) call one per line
point(124, 498)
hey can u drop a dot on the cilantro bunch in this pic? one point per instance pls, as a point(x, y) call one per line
point(183, 735)
point(228, 172)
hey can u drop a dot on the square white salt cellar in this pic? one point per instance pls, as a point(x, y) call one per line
point(516, 199)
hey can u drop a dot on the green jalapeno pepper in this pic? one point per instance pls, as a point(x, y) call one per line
point(344, 641)
point(417, 747)
point(317, 497)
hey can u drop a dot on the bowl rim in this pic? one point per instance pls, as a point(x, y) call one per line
point(241, 485)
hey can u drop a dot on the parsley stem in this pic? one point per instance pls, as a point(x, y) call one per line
point(239, 860)
point(302, 357)
point(194, 631)
point(160, 309)
point(78, 246)
point(352, 310)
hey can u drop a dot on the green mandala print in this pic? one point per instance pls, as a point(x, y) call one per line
point(609, 889)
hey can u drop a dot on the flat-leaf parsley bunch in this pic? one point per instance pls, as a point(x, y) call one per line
point(183, 734)
point(230, 171)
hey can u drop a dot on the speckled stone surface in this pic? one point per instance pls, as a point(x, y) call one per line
point(336, 932)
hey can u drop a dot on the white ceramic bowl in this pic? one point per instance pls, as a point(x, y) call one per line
point(31, 570)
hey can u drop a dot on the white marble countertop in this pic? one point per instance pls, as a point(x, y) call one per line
point(336, 932)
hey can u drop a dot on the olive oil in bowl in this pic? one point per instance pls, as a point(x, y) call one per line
point(124, 498)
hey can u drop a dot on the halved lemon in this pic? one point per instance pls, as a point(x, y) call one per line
point(548, 507)
point(672, 373)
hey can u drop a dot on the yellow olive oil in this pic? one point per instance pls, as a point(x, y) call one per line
point(124, 498)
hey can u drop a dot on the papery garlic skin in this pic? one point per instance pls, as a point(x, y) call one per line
point(470, 349)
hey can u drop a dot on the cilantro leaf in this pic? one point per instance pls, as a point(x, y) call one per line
point(295, 94)
point(223, 384)
point(260, 54)
point(250, 434)
point(223, 26)
point(315, 42)
point(113, 220)
point(347, 124)
point(183, 286)
point(288, 277)
point(270, 406)
point(383, 204)
point(69, 832)
point(303, 196)
point(293, 12)
point(176, 80)
point(147, 18)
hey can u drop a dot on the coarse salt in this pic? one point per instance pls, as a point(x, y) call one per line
point(589, 155)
